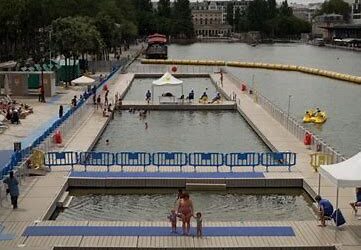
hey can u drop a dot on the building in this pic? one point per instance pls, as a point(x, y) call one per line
point(356, 12)
point(220, 5)
point(305, 12)
point(208, 23)
point(320, 23)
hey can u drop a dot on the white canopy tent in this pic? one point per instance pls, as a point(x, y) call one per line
point(343, 174)
point(83, 80)
point(166, 80)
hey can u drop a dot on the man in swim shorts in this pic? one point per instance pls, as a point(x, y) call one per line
point(185, 208)
point(326, 209)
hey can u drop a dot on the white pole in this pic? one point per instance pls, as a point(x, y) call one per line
point(319, 184)
point(336, 206)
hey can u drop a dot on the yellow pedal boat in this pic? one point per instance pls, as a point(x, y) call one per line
point(312, 116)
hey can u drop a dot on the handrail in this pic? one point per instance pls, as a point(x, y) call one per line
point(20, 156)
point(291, 123)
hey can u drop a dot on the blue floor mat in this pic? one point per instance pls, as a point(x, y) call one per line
point(153, 231)
point(174, 175)
point(5, 156)
point(6, 237)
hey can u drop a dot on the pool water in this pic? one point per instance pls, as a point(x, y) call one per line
point(154, 205)
point(140, 86)
point(185, 131)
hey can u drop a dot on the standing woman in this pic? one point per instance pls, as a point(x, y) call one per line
point(13, 189)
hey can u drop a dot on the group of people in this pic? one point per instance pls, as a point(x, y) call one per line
point(185, 211)
point(326, 210)
point(142, 115)
point(190, 97)
point(13, 111)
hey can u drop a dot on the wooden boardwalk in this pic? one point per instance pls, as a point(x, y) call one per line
point(39, 193)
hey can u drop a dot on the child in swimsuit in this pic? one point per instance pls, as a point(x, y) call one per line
point(173, 220)
point(199, 219)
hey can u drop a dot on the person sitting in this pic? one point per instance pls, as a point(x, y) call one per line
point(357, 203)
point(204, 98)
point(15, 117)
point(191, 96)
point(105, 113)
point(181, 98)
point(326, 209)
point(216, 98)
point(308, 115)
point(317, 112)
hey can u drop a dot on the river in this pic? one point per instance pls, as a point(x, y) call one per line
point(341, 100)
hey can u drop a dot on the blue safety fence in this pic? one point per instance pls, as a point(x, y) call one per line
point(125, 159)
point(61, 159)
point(246, 159)
point(96, 159)
point(200, 159)
point(170, 159)
point(21, 155)
point(278, 159)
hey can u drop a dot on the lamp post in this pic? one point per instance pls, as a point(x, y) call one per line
point(42, 90)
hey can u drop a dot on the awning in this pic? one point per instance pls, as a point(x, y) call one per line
point(344, 174)
point(83, 80)
point(167, 79)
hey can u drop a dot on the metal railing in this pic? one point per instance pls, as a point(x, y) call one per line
point(170, 159)
point(179, 69)
point(289, 122)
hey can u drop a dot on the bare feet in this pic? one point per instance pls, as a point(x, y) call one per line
point(321, 225)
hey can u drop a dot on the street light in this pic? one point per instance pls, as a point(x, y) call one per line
point(42, 90)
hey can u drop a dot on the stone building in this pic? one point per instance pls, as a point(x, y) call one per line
point(208, 23)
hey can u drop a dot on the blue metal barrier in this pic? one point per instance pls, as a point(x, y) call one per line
point(278, 159)
point(96, 159)
point(133, 159)
point(247, 159)
point(61, 159)
point(199, 159)
point(170, 159)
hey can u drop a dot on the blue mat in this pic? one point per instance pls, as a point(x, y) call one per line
point(153, 231)
point(173, 175)
point(6, 237)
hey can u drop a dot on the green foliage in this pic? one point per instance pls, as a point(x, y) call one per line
point(263, 15)
point(229, 11)
point(337, 7)
point(25, 25)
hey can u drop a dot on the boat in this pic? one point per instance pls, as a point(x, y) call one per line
point(312, 116)
point(157, 47)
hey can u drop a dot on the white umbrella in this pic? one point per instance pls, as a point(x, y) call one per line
point(83, 80)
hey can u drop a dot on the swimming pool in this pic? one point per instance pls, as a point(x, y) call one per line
point(186, 131)
point(155, 204)
point(140, 86)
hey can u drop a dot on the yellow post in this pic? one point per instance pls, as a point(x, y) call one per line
point(37, 159)
point(318, 159)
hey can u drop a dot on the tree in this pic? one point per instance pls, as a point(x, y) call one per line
point(237, 19)
point(164, 9)
point(182, 16)
point(335, 6)
point(285, 10)
point(229, 12)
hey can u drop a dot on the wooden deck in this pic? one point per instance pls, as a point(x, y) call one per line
point(38, 194)
point(178, 105)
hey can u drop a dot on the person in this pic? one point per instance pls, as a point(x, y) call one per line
point(61, 111)
point(216, 98)
point(204, 97)
point(308, 115)
point(106, 102)
point(105, 113)
point(317, 112)
point(94, 99)
point(15, 118)
point(326, 209)
point(185, 208)
point(357, 203)
point(191, 96)
point(42, 91)
point(13, 189)
point(74, 101)
point(221, 78)
point(107, 142)
point(148, 95)
point(99, 102)
point(173, 220)
point(199, 224)
point(40, 94)
point(146, 125)
point(179, 195)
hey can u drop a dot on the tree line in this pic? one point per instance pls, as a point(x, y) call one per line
point(266, 17)
point(33, 28)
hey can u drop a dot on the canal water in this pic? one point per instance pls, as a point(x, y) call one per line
point(156, 204)
point(341, 100)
